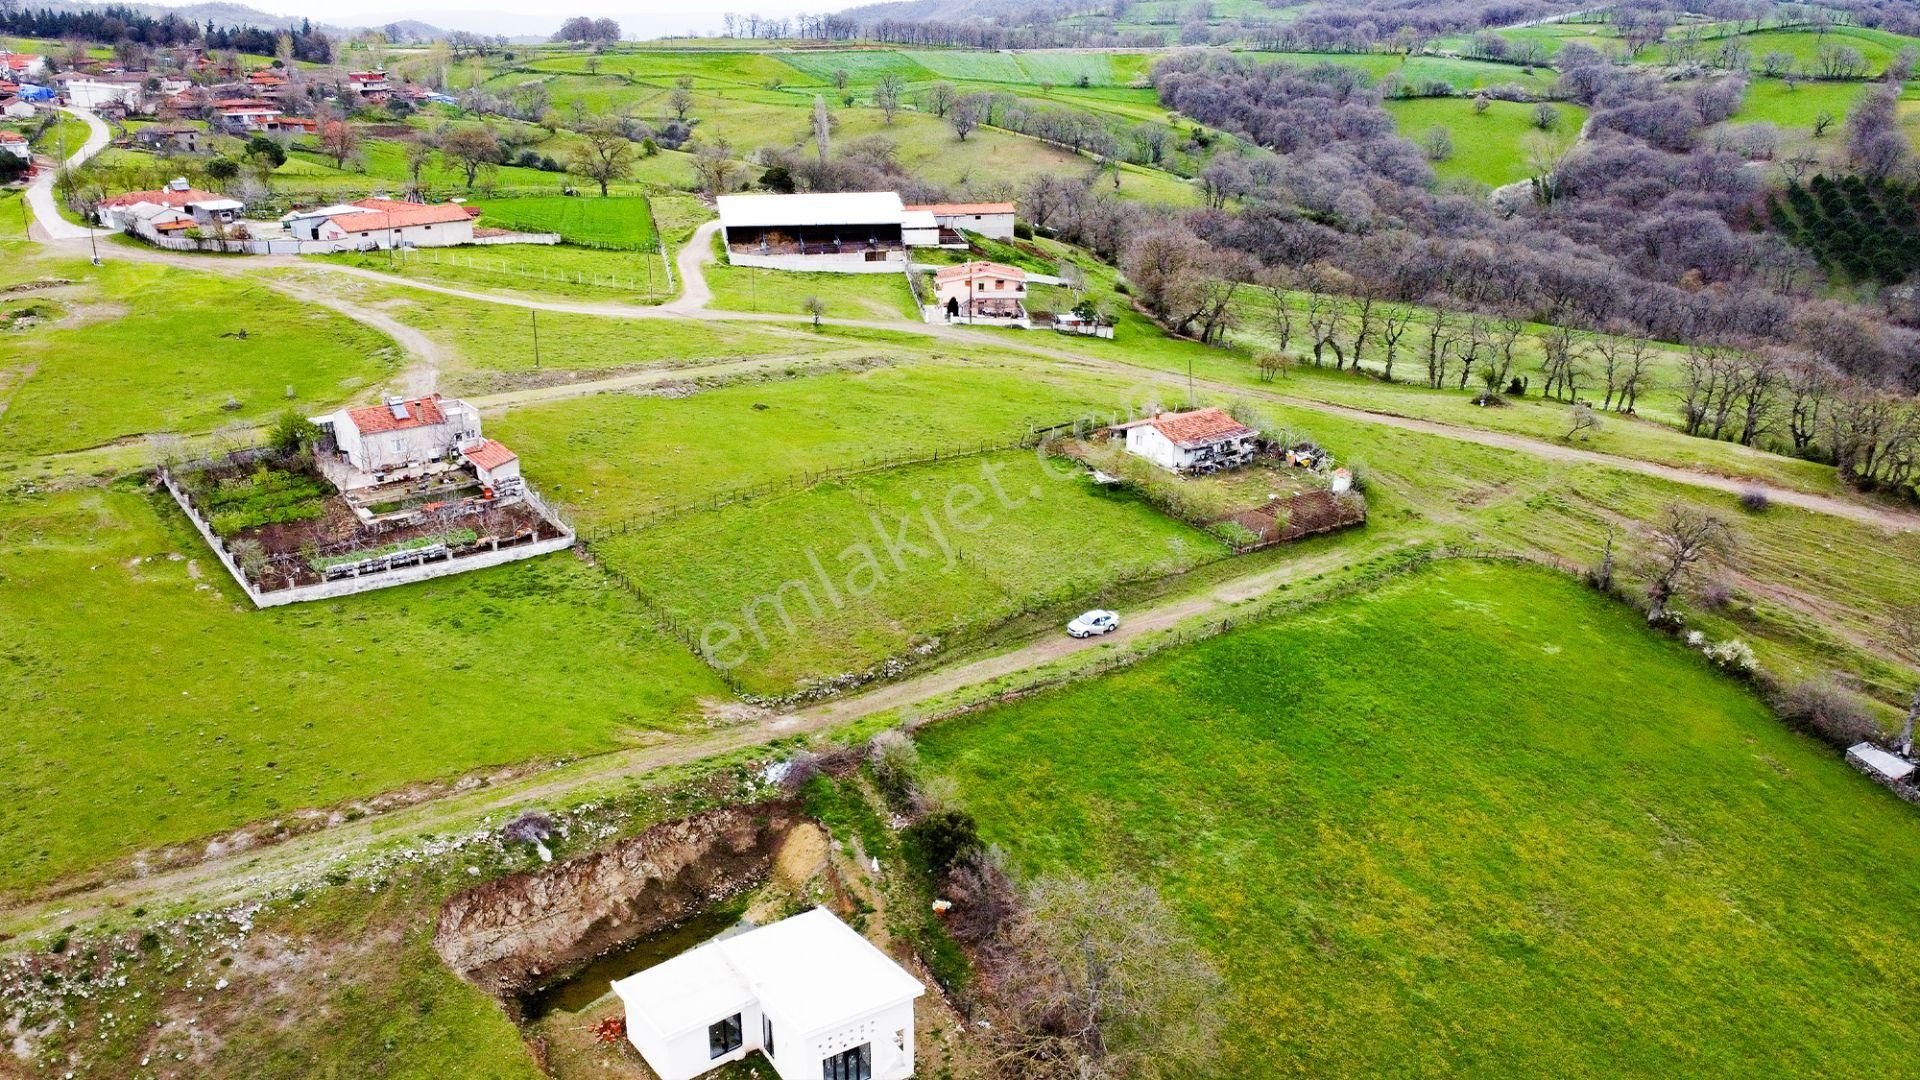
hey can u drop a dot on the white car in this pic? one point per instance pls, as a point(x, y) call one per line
point(1093, 624)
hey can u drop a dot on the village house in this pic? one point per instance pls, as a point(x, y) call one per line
point(171, 138)
point(12, 142)
point(266, 80)
point(16, 108)
point(994, 219)
point(401, 434)
point(853, 232)
point(241, 116)
point(496, 467)
point(370, 85)
point(981, 290)
point(199, 208)
point(383, 223)
point(1202, 440)
point(98, 92)
point(819, 1001)
point(23, 65)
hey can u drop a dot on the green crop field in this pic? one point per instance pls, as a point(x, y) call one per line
point(175, 350)
point(541, 270)
point(237, 714)
point(1875, 46)
point(863, 66)
point(1489, 147)
point(1794, 106)
point(963, 64)
point(835, 578)
point(845, 296)
point(619, 223)
point(1481, 819)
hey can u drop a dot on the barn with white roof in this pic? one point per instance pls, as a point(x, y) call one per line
point(850, 232)
point(815, 998)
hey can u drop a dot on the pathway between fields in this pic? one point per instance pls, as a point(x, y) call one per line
point(250, 873)
point(48, 224)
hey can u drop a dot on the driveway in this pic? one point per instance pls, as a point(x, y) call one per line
point(47, 222)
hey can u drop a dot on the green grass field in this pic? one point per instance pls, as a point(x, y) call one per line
point(1490, 147)
point(1795, 106)
point(624, 224)
point(1477, 818)
point(228, 715)
point(846, 296)
point(154, 349)
point(559, 271)
point(809, 588)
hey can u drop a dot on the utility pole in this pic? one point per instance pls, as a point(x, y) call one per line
point(534, 315)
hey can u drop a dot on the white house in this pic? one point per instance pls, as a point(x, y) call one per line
point(819, 1001)
point(992, 219)
point(204, 207)
point(1202, 440)
point(368, 83)
point(16, 108)
point(985, 290)
point(398, 434)
point(99, 91)
point(12, 142)
point(19, 66)
point(382, 223)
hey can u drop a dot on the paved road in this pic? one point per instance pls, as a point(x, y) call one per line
point(47, 222)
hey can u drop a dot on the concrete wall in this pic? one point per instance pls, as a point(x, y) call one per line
point(290, 246)
point(328, 590)
point(853, 263)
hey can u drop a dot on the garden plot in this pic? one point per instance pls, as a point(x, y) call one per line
point(840, 578)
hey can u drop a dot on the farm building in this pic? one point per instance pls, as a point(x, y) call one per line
point(16, 108)
point(203, 207)
point(849, 232)
point(1199, 441)
point(993, 220)
point(398, 434)
point(172, 138)
point(816, 998)
point(383, 223)
point(497, 467)
point(100, 91)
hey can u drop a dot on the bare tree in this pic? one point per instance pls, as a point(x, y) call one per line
point(888, 92)
point(1582, 422)
point(603, 154)
point(1905, 625)
point(940, 97)
point(1683, 538)
point(471, 149)
point(1394, 322)
point(714, 165)
point(1104, 985)
point(680, 98)
point(964, 116)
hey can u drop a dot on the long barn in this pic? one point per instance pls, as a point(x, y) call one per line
point(859, 232)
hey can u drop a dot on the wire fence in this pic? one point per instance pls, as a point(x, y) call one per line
point(655, 281)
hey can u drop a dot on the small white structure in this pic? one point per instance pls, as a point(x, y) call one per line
point(399, 434)
point(99, 91)
point(383, 223)
point(497, 467)
point(16, 108)
point(1871, 758)
point(981, 290)
point(366, 83)
point(1199, 441)
point(816, 998)
point(992, 219)
point(204, 207)
point(12, 142)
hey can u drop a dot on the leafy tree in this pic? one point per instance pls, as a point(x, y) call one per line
point(470, 149)
point(603, 155)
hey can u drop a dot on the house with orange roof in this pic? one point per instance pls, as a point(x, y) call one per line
point(1201, 440)
point(202, 207)
point(400, 434)
point(990, 219)
point(981, 290)
point(23, 65)
point(368, 224)
point(12, 142)
point(15, 108)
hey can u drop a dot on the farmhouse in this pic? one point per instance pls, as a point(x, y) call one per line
point(816, 998)
point(496, 467)
point(12, 142)
point(1199, 441)
point(22, 65)
point(399, 434)
point(848, 232)
point(240, 116)
point(368, 84)
point(988, 219)
point(204, 207)
point(981, 290)
point(100, 91)
point(172, 138)
point(16, 108)
point(383, 223)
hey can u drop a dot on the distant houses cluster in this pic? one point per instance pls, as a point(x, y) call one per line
point(183, 213)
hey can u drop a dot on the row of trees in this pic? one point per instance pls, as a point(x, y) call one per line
point(134, 34)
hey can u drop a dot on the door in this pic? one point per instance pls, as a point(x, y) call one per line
point(854, 1064)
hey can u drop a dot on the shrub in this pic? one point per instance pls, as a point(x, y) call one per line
point(1716, 594)
point(984, 897)
point(1022, 230)
point(293, 433)
point(895, 764)
point(529, 828)
point(1825, 709)
point(1733, 655)
point(1755, 500)
point(944, 837)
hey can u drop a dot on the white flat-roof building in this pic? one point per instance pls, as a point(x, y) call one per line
point(992, 219)
point(849, 232)
point(819, 1001)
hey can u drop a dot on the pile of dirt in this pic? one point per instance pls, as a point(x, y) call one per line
point(506, 935)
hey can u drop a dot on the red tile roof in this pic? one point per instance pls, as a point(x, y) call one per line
point(392, 214)
point(243, 103)
point(1199, 427)
point(488, 454)
point(165, 197)
point(980, 269)
point(12, 136)
point(421, 412)
point(954, 208)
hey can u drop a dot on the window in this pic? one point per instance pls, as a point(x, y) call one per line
point(766, 1034)
point(854, 1064)
point(723, 1038)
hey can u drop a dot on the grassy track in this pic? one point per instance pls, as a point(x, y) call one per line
point(1481, 819)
